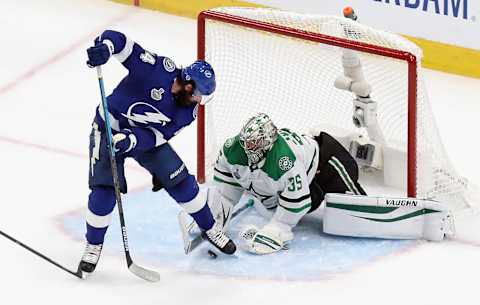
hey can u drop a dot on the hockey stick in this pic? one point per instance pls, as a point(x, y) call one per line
point(77, 273)
point(186, 228)
point(141, 272)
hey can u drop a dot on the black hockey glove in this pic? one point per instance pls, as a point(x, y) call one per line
point(98, 55)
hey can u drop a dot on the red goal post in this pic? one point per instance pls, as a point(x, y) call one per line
point(408, 57)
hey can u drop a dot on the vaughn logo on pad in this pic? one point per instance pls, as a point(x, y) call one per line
point(401, 202)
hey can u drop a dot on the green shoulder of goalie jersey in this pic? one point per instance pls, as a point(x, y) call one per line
point(279, 160)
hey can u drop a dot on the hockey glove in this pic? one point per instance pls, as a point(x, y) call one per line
point(98, 54)
point(124, 141)
point(271, 238)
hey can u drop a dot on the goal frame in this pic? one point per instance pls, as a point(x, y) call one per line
point(408, 57)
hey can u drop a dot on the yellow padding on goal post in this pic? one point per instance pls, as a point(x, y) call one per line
point(437, 56)
point(449, 58)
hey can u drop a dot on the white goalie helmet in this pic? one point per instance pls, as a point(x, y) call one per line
point(257, 137)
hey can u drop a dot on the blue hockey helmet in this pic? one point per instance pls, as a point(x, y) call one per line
point(201, 72)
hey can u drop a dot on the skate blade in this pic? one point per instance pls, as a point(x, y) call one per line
point(214, 253)
point(85, 275)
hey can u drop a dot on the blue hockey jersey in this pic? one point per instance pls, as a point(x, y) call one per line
point(142, 101)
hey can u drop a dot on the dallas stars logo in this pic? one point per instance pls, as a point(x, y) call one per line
point(229, 142)
point(285, 163)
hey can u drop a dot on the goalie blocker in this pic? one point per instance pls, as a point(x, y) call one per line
point(393, 218)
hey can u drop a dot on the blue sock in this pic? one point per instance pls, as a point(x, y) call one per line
point(101, 202)
point(188, 191)
point(95, 236)
point(204, 218)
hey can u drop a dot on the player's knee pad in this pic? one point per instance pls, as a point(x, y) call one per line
point(184, 190)
point(101, 202)
point(192, 201)
point(167, 168)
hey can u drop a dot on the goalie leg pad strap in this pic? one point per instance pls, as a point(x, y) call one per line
point(220, 206)
point(396, 218)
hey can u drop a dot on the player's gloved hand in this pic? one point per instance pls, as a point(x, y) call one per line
point(124, 141)
point(98, 54)
point(271, 238)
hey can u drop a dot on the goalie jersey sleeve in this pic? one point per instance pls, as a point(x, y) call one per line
point(224, 179)
point(294, 201)
point(285, 166)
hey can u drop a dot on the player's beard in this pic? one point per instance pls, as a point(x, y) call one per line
point(183, 98)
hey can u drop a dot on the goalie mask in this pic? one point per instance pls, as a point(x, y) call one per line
point(257, 137)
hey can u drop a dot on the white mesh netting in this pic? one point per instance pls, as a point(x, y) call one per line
point(292, 79)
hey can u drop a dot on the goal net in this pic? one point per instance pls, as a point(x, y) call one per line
point(285, 64)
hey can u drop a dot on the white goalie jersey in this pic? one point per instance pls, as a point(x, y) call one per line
point(281, 180)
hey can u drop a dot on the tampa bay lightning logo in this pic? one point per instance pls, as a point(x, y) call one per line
point(168, 64)
point(143, 113)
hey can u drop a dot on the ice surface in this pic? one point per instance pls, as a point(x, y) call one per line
point(48, 96)
point(154, 237)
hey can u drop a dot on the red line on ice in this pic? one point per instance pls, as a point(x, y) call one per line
point(43, 147)
point(56, 57)
point(55, 150)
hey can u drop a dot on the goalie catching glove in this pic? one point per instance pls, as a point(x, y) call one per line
point(271, 238)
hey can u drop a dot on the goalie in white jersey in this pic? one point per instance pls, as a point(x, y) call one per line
point(288, 173)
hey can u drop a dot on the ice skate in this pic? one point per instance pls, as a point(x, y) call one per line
point(90, 258)
point(219, 239)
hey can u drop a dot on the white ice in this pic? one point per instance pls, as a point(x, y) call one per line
point(48, 97)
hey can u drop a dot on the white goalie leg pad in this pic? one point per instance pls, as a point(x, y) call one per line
point(220, 206)
point(221, 209)
point(380, 217)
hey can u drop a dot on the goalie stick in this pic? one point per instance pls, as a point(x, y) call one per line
point(187, 228)
point(146, 274)
point(77, 273)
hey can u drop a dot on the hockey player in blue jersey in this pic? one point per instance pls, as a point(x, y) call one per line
point(147, 108)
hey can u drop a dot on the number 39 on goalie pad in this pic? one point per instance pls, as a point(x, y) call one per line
point(380, 217)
